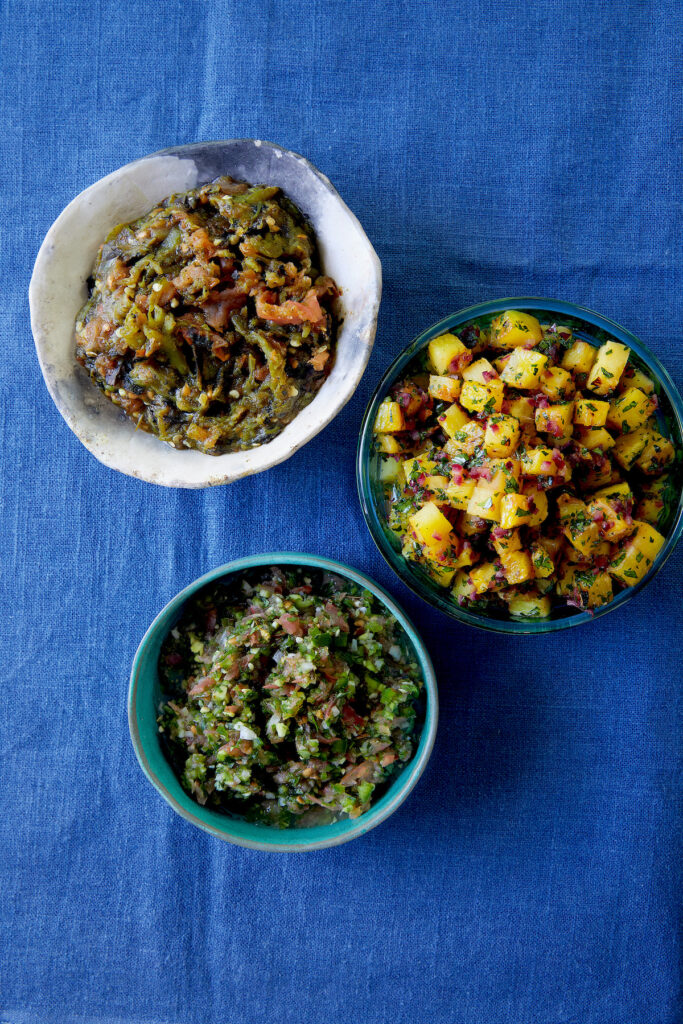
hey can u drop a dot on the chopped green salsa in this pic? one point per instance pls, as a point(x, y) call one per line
point(209, 321)
point(288, 691)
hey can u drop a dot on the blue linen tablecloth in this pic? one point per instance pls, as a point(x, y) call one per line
point(489, 148)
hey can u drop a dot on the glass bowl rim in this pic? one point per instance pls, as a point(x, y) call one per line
point(431, 594)
point(260, 837)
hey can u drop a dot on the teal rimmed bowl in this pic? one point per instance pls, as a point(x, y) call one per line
point(145, 695)
point(586, 325)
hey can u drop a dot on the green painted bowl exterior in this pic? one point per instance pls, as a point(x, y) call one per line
point(145, 694)
point(585, 323)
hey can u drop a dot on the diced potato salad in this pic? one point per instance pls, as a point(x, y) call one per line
point(525, 467)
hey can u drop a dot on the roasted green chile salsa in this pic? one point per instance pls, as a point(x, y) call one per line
point(289, 696)
point(209, 321)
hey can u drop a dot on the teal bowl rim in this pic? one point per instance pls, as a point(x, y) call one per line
point(262, 837)
point(430, 593)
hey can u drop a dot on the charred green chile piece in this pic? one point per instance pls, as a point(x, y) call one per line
point(172, 333)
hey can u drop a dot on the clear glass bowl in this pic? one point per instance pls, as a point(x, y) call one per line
point(586, 325)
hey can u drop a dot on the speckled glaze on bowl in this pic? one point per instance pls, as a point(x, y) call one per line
point(585, 324)
point(58, 290)
point(145, 694)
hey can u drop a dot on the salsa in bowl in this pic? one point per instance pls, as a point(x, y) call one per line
point(283, 702)
point(208, 319)
point(520, 465)
point(219, 327)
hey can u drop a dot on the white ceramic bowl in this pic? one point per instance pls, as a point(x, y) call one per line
point(58, 290)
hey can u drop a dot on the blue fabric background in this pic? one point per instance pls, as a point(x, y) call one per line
point(489, 148)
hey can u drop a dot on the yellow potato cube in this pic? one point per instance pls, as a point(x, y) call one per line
point(565, 579)
point(523, 409)
point(502, 361)
point(507, 541)
point(537, 503)
point(418, 464)
point(445, 389)
point(579, 358)
point(555, 419)
point(617, 491)
point(594, 438)
point(524, 369)
point(513, 329)
point(629, 411)
point(391, 472)
point(481, 371)
point(483, 578)
point(592, 587)
point(410, 398)
point(652, 504)
point(529, 606)
point(462, 589)
point(657, 486)
point(440, 573)
point(448, 354)
point(499, 477)
point(608, 367)
point(600, 590)
point(569, 505)
point(577, 525)
point(538, 461)
point(511, 467)
point(635, 558)
point(589, 412)
point(514, 511)
point(487, 398)
point(541, 560)
point(466, 441)
point(389, 418)
point(556, 333)
point(517, 566)
point(576, 557)
point(441, 568)
point(411, 549)
point(431, 527)
point(657, 454)
point(437, 486)
point(557, 384)
point(629, 447)
point(468, 556)
point(485, 501)
point(452, 419)
point(474, 526)
point(458, 495)
point(388, 444)
point(553, 544)
point(650, 508)
point(599, 475)
point(502, 435)
point(635, 378)
point(611, 518)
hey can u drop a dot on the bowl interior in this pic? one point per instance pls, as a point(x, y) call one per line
point(145, 696)
point(586, 325)
point(58, 290)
